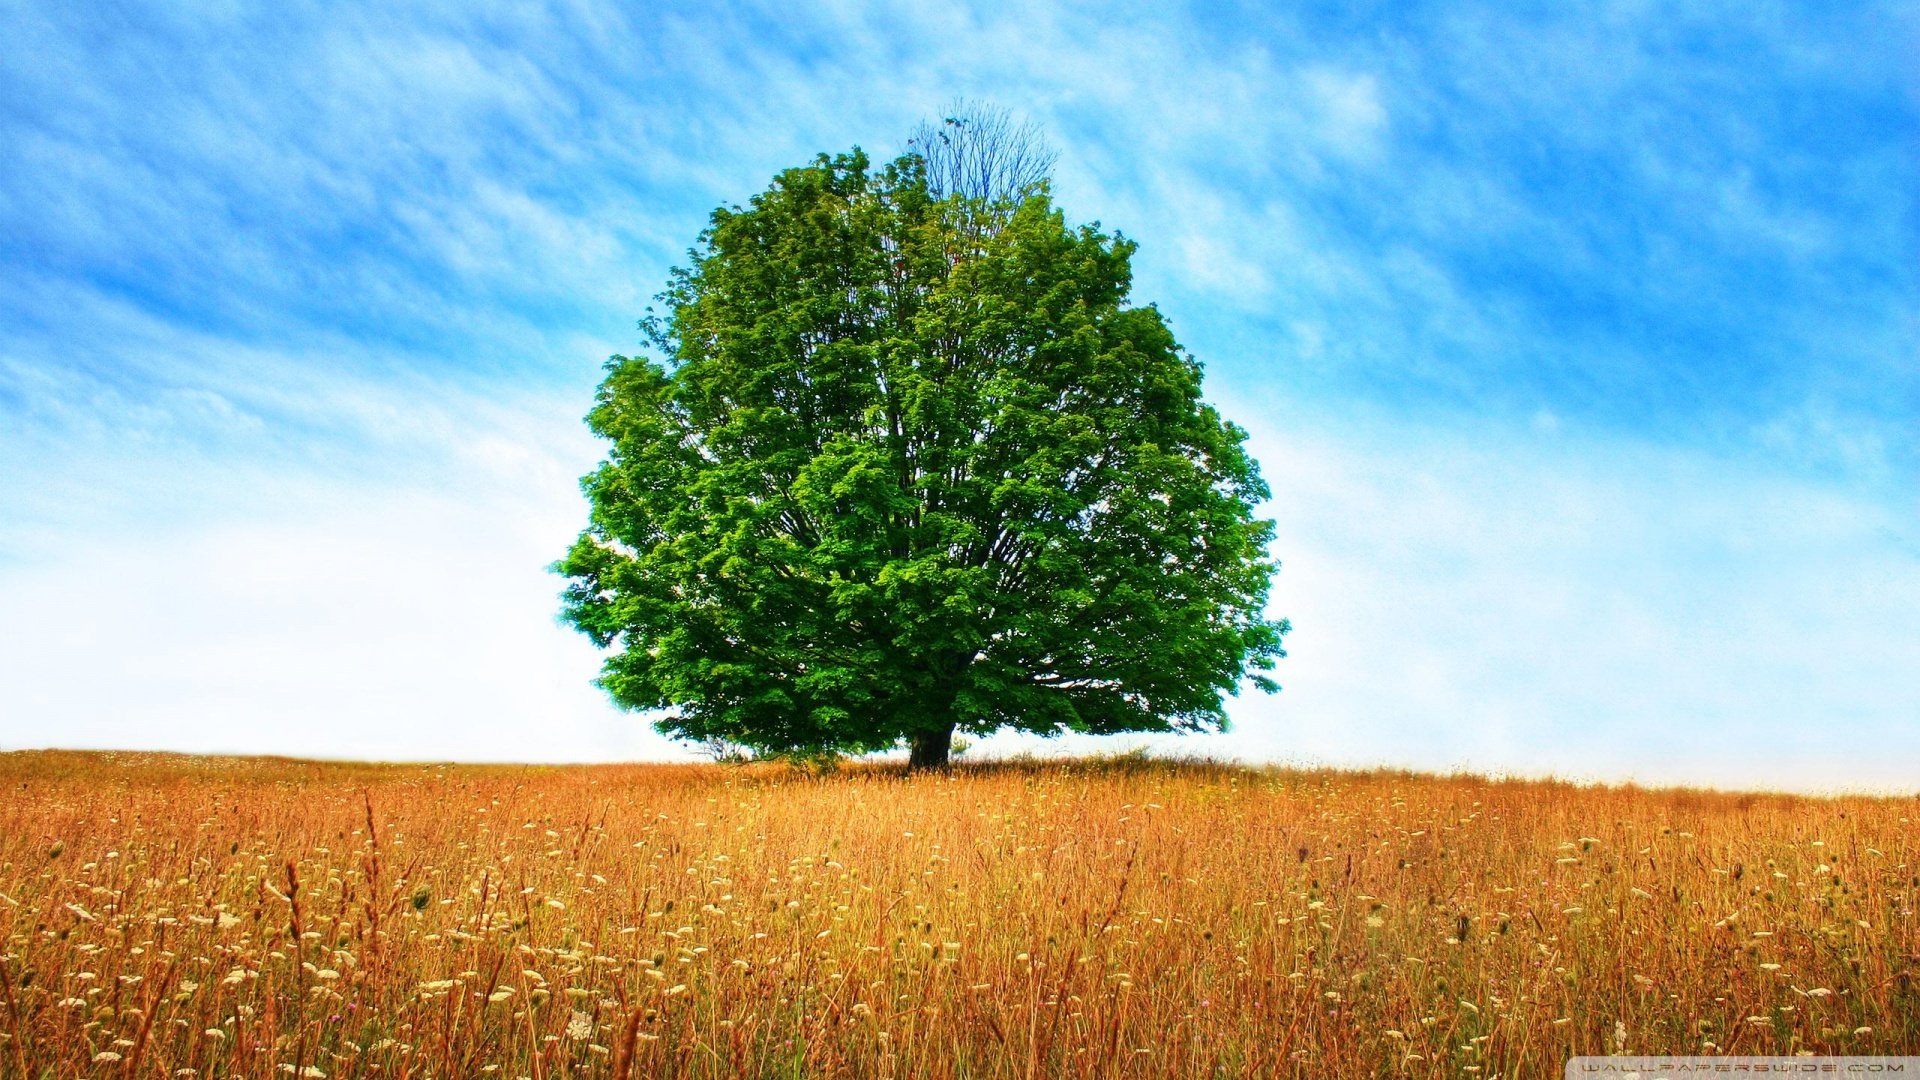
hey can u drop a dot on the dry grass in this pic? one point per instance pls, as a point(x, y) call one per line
point(207, 917)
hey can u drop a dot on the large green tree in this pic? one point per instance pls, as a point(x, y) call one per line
point(910, 463)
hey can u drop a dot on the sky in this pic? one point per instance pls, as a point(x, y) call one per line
point(1579, 343)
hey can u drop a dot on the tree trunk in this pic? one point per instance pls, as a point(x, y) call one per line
point(930, 749)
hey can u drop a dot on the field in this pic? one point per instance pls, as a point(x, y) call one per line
point(172, 916)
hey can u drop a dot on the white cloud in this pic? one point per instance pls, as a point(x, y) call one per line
point(1213, 264)
point(1600, 610)
point(394, 622)
point(1353, 119)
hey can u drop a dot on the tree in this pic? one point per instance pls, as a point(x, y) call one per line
point(895, 475)
point(982, 154)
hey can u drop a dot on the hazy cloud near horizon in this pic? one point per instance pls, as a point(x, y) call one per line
point(1580, 347)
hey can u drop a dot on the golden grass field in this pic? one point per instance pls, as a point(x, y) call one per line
point(178, 916)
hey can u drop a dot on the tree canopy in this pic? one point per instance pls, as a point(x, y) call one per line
point(910, 462)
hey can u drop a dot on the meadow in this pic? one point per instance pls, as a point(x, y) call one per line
point(205, 917)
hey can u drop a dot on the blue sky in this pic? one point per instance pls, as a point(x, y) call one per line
point(1578, 343)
